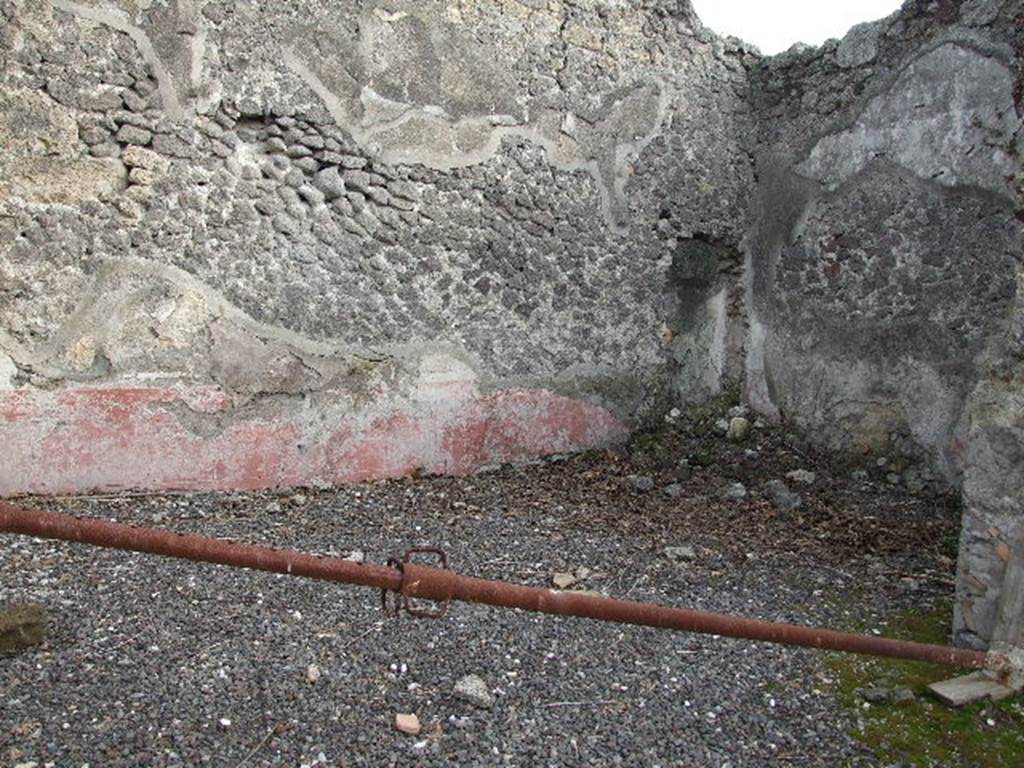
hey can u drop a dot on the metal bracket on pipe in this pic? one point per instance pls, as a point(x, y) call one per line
point(394, 602)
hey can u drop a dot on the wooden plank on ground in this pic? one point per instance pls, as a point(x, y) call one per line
point(977, 686)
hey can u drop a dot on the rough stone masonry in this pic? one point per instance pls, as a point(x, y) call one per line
point(248, 245)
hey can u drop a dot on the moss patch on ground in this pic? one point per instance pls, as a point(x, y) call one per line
point(923, 732)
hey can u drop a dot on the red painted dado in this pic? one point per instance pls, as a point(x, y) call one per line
point(89, 439)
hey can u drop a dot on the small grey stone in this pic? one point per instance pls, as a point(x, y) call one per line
point(802, 476)
point(641, 483)
point(733, 492)
point(379, 195)
point(105, 150)
point(173, 146)
point(141, 176)
point(902, 695)
point(215, 12)
point(134, 101)
point(330, 183)
point(876, 694)
point(702, 458)
point(93, 136)
point(402, 189)
point(909, 584)
point(312, 140)
point(285, 224)
point(359, 180)
point(144, 87)
point(401, 204)
point(389, 217)
point(915, 480)
point(352, 162)
point(329, 157)
point(474, 690)
point(269, 204)
point(883, 695)
point(298, 150)
point(356, 199)
point(674, 491)
point(130, 118)
point(274, 145)
point(211, 128)
point(784, 499)
point(307, 165)
point(343, 206)
point(138, 157)
point(739, 429)
point(118, 78)
point(680, 554)
point(311, 194)
point(563, 580)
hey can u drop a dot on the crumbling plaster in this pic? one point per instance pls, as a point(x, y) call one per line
point(298, 205)
point(252, 244)
point(885, 254)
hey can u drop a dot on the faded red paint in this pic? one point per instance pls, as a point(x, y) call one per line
point(388, 447)
point(91, 439)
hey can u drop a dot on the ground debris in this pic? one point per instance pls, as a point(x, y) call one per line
point(21, 627)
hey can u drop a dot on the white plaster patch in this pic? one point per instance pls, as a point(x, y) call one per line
point(402, 133)
point(949, 118)
point(718, 312)
point(34, 125)
point(8, 370)
point(445, 379)
point(758, 395)
point(52, 180)
point(181, 320)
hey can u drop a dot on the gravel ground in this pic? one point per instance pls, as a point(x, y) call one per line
point(154, 662)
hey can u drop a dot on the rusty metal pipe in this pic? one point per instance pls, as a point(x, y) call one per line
point(418, 581)
point(429, 583)
point(53, 525)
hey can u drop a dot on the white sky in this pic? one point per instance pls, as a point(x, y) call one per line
point(774, 25)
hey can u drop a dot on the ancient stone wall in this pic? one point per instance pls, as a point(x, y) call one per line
point(248, 244)
point(886, 261)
